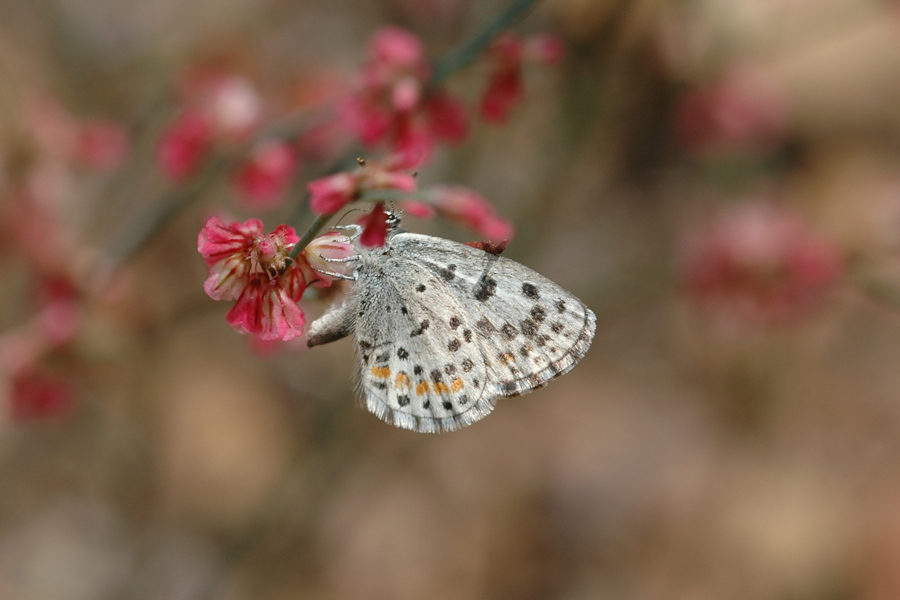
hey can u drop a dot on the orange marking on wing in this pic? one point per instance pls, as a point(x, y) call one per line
point(456, 385)
point(507, 358)
point(402, 380)
point(422, 388)
point(381, 372)
point(441, 388)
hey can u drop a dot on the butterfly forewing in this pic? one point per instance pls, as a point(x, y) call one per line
point(421, 364)
point(530, 330)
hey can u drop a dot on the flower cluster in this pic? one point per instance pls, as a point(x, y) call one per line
point(98, 144)
point(253, 268)
point(394, 104)
point(222, 110)
point(508, 53)
point(61, 274)
point(759, 264)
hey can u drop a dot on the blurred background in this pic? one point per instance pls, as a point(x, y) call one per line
point(718, 179)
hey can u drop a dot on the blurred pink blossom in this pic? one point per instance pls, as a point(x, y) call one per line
point(745, 109)
point(102, 145)
point(759, 264)
point(328, 194)
point(266, 175)
point(184, 145)
point(99, 144)
point(218, 108)
point(505, 87)
point(393, 104)
point(469, 208)
point(35, 396)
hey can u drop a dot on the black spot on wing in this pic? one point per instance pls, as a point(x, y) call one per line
point(509, 332)
point(421, 329)
point(529, 328)
point(530, 291)
point(448, 274)
point(485, 288)
point(485, 328)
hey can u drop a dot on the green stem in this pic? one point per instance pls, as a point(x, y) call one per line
point(314, 229)
point(464, 55)
point(885, 294)
point(142, 231)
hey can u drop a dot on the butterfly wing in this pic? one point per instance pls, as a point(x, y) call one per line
point(529, 329)
point(421, 367)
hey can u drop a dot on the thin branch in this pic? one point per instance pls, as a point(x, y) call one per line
point(466, 53)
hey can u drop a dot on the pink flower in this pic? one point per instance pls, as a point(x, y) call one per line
point(505, 85)
point(394, 48)
point(33, 396)
point(319, 254)
point(254, 269)
point(330, 193)
point(268, 307)
point(220, 108)
point(265, 177)
point(470, 209)
point(227, 250)
point(229, 100)
point(101, 145)
point(418, 209)
point(184, 145)
point(374, 227)
point(744, 109)
point(759, 264)
point(393, 106)
point(234, 105)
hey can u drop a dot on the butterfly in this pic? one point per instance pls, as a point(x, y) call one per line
point(444, 330)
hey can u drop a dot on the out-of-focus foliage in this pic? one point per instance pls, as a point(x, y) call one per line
point(718, 179)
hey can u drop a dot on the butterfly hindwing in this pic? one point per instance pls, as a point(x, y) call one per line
point(530, 329)
point(421, 367)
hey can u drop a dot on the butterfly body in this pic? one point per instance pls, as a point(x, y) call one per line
point(443, 330)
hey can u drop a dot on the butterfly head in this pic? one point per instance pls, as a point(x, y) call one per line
point(393, 220)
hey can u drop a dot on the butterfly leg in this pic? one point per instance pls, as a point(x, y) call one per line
point(341, 260)
point(356, 229)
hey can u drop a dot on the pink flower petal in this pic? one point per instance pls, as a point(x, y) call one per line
point(374, 227)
